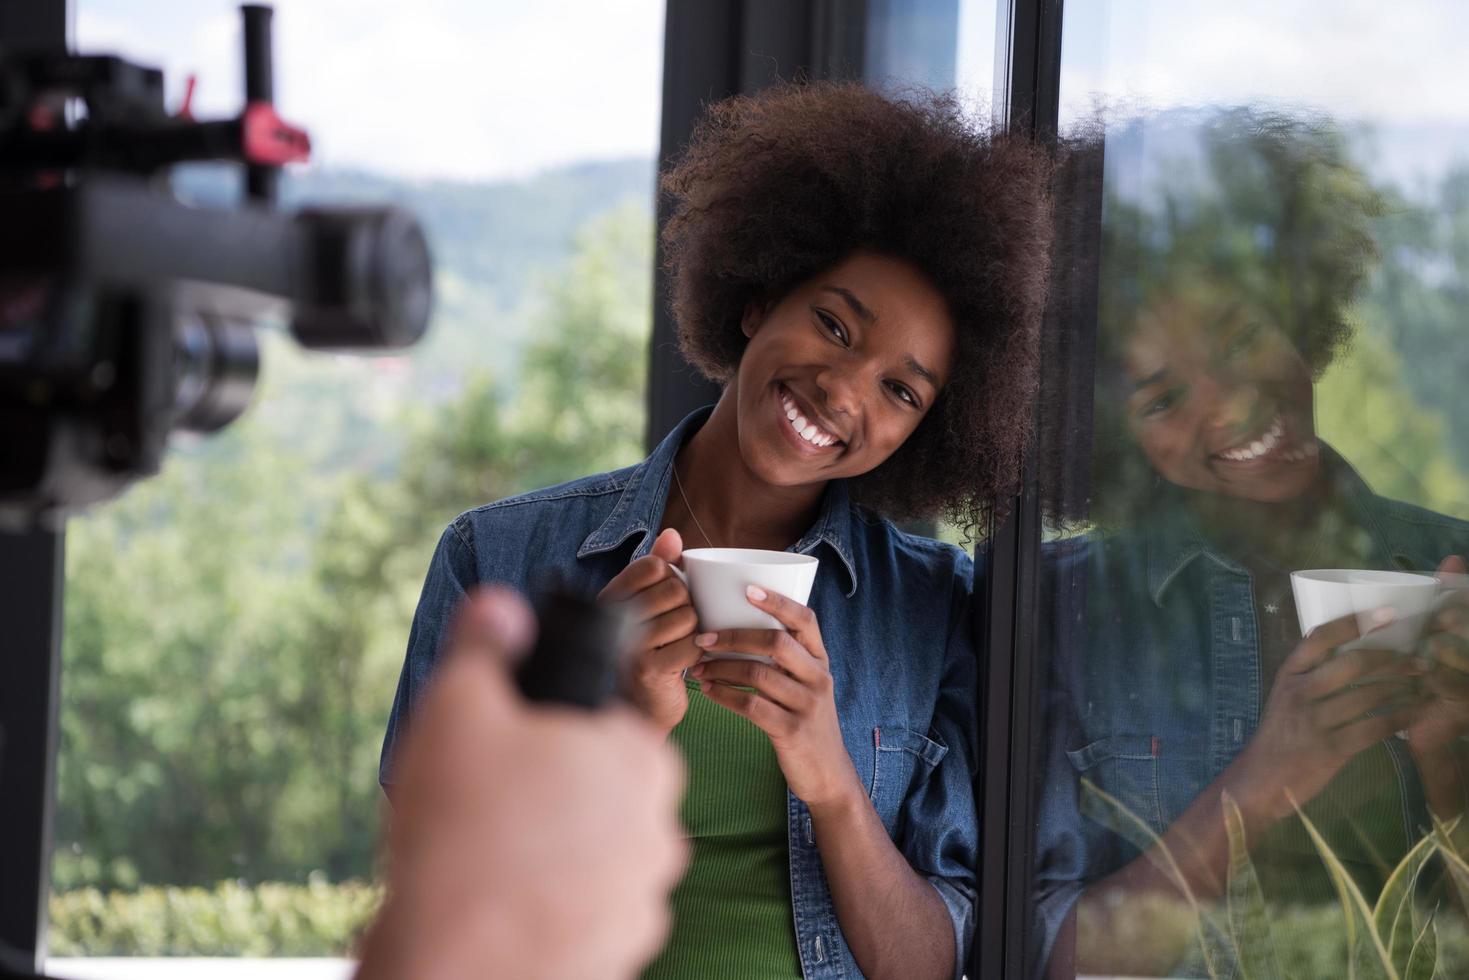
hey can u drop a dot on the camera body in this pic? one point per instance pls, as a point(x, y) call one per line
point(127, 315)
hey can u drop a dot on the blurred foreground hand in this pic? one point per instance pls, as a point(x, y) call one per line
point(524, 841)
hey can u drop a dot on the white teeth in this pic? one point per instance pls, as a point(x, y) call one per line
point(805, 428)
point(1266, 443)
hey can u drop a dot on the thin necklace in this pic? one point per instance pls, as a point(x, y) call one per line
point(689, 507)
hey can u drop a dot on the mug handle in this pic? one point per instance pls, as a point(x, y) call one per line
point(683, 576)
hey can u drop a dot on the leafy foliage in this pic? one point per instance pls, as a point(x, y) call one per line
point(1394, 938)
point(229, 919)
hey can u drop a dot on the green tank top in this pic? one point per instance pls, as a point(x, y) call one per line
point(732, 911)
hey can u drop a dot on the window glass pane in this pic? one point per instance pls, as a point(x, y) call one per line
point(939, 44)
point(1265, 215)
point(235, 626)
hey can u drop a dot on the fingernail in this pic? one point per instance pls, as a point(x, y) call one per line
point(696, 671)
point(1383, 615)
point(703, 687)
point(705, 639)
point(755, 592)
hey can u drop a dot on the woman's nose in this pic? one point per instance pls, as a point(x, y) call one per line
point(841, 391)
point(1233, 406)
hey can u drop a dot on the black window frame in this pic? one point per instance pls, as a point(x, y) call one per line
point(1027, 91)
point(31, 581)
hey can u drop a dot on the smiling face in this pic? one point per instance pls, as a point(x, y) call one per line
point(1220, 401)
point(840, 371)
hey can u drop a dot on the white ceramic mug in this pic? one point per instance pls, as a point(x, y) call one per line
point(1324, 594)
point(717, 579)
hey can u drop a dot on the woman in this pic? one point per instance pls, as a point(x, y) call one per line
point(1193, 681)
point(864, 276)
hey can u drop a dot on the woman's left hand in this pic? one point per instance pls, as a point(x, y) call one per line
point(1444, 715)
point(791, 698)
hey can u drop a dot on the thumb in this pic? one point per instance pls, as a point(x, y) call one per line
point(492, 622)
point(1453, 565)
point(669, 546)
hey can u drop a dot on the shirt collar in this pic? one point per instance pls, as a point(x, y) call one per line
point(639, 511)
point(1174, 539)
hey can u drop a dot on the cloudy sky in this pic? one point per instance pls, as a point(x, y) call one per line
point(432, 88)
point(1401, 61)
point(502, 88)
point(1394, 72)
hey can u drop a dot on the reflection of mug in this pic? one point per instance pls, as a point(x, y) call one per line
point(717, 579)
point(1324, 594)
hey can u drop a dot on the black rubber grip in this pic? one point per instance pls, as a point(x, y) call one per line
point(576, 657)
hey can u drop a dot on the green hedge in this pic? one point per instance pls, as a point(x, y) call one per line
point(231, 919)
point(320, 919)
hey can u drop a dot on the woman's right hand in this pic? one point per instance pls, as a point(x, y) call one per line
point(1324, 708)
point(660, 605)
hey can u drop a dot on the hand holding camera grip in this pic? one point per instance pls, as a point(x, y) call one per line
point(575, 660)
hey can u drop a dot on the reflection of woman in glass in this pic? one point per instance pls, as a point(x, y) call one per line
point(1193, 680)
point(865, 277)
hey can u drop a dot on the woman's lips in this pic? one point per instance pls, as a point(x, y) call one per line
point(804, 432)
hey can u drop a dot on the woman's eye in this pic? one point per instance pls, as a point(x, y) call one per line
point(904, 394)
point(833, 326)
point(1160, 404)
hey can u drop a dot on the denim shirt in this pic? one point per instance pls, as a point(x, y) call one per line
point(1156, 682)
point(895, 615)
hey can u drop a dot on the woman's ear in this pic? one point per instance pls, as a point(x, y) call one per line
point(754, 315)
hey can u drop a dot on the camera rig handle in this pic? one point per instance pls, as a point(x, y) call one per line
point(128, 129)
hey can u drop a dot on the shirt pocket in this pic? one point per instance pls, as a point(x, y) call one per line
point(903, 759)
point(1125, 767)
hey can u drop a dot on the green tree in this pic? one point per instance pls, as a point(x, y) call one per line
point(182, 689)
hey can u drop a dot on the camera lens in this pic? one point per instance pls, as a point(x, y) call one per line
point(372, 282)
point(216, 363)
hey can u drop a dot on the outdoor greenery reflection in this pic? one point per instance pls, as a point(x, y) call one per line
point(1274, 322)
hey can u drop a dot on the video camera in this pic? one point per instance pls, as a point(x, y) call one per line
point(126, 314)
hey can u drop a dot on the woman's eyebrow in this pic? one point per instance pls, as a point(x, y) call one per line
point(920, 370)
point(856, 304)
point(1151, 379)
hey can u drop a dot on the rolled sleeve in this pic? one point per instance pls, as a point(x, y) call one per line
point(451, 572)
